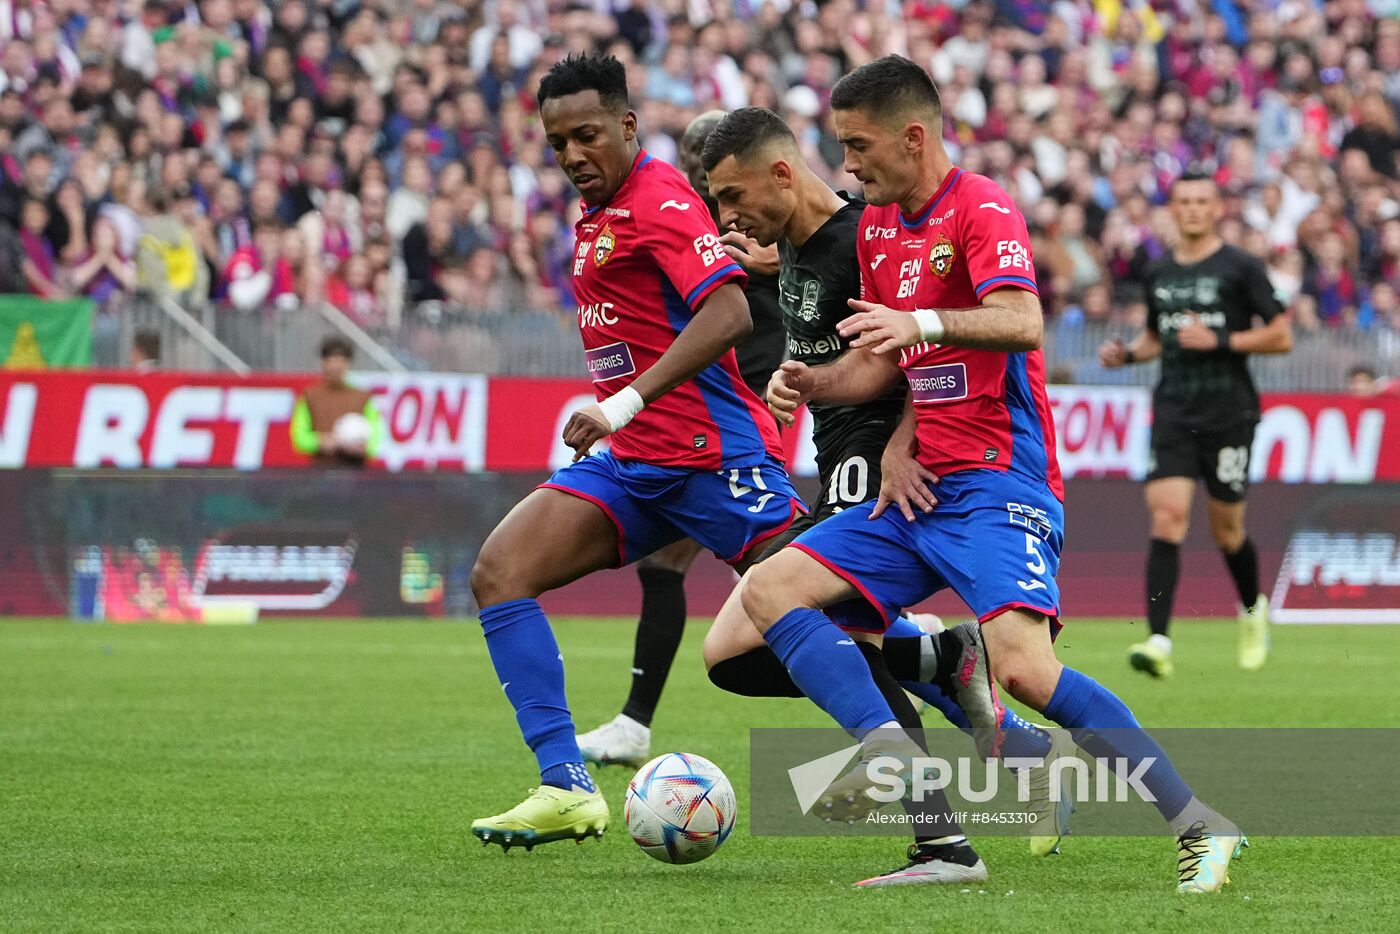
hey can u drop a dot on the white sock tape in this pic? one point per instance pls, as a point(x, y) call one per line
point(621, 407)
point(930, 325)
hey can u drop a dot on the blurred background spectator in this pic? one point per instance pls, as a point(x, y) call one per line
point(375, 156)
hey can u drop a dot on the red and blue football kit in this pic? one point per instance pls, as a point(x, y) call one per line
point(704, 460)
point(982, 420)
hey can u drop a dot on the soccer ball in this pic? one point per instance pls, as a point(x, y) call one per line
point(680, 807)
point(351, 430)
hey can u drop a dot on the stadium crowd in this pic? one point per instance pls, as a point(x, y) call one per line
point(379, 155)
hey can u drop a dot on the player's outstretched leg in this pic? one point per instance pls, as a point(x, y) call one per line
point(1024, 663)
point(781, 597)
point(548, 540)
point(1021, 739)
point(933, 857)
point(626, 738)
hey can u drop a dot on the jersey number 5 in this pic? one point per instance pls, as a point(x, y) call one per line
point(1036, 565)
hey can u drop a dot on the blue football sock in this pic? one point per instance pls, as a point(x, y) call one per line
point(933, 696)
point(904, 628)
point(826, 664)
point(531, 672)
point(568, 775)
point(1104, 727)
point(1020, 737)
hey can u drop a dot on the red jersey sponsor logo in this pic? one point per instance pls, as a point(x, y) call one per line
point(609, 362)
point(943, 383)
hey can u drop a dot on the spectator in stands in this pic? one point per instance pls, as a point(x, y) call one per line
point(169, 262)
point(351, 289)
point(333, 422)
point(256, 275)
point(103, 274)
point(428, 248)
point(145, 351)
point(40, 260)
point(408, 205)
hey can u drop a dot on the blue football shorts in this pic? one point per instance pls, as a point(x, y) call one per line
point(727, 511)
point(994, 538)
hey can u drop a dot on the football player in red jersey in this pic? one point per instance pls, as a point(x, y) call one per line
point(950, 304)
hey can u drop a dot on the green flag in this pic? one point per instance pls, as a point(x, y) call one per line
point(35, 333)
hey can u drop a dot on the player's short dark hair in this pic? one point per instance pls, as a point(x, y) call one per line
point(1195, 174)
point(889, 88)
point(578, 73)
point(147, 340)
point(1361, 369)
point(337, 346)
point(743, 133)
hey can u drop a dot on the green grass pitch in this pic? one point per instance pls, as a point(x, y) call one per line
point(321, 777)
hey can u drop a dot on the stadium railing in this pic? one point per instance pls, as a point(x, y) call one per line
point(436, 336)
point(1318, 362)
point(268, 339)
point(439, 337)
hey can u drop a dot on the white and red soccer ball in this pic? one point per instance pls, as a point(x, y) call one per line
point(680, 807)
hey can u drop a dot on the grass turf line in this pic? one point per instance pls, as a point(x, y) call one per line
point(321, 777)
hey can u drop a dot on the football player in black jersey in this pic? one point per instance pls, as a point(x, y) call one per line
point(1203, 300)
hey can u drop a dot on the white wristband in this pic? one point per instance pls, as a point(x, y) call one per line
point(930, 325)
point(621, 407)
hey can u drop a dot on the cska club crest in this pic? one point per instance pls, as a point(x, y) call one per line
point(940, 258)
point(603, 246)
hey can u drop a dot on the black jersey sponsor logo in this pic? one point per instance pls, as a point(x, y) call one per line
point(797, 347)
point(700, 442)
point(1198, 292)
point(1176, 320)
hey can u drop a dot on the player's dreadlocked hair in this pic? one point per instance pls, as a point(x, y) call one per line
point(601, 73)
point(743, 133)
point(889, 88)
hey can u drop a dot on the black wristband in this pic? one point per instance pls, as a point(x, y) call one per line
point(1129, 357)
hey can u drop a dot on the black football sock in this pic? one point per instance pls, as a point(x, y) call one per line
point(1244, 568)
point(1163, 568)
point(922, 658)
point(659, 632)
point(932, 816)
point(756, 673)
